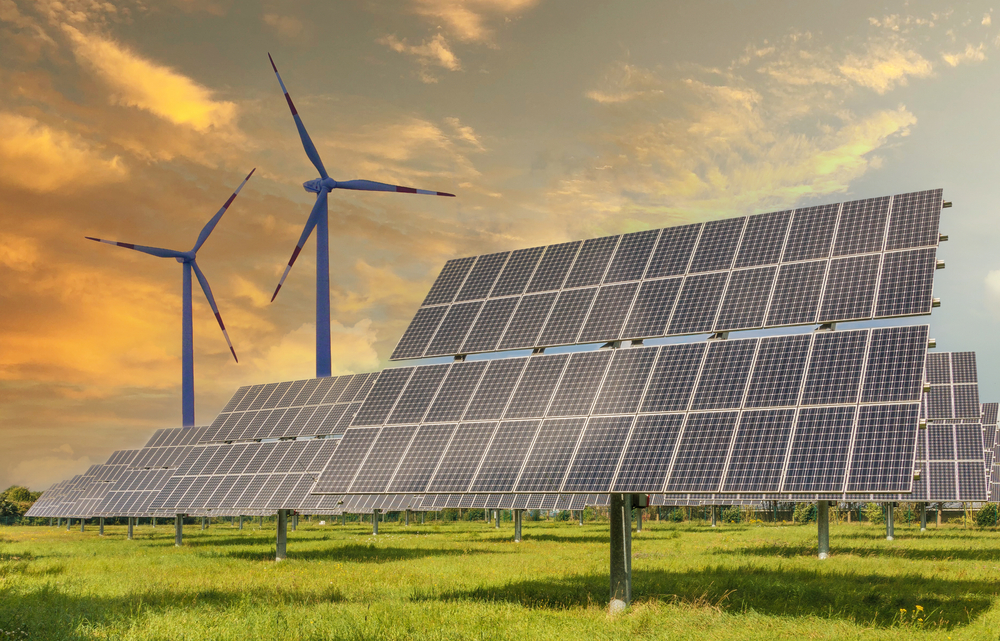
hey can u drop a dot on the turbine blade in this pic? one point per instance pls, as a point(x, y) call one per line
point(310, 224)
point(152, 251)
point(307, 142)
point(371, 185)
point(203, 236)
point(215, 308)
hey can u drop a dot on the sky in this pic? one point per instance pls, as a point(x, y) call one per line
point(551, 120)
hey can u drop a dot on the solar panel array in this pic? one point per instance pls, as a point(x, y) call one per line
point(858, 260)
point(80, 496)
point(822, 412)
point(991, 441)
point(291, 409)
point(951, 463)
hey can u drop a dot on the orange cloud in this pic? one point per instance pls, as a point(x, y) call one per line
point(151, 87)
point(41, 158)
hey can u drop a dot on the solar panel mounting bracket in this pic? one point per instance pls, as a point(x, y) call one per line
point(935, 302)
point(946, 204)
point(942, 237)
point(538, 350)
point(718, 336)
point(611, 345)
point(460, 358)
point(826, 327)
point(931, 343)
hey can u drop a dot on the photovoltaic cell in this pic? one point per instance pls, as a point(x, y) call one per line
point(597, 456)
point(503, 460)
point(490, 325)
point(914, 220)
point(451, 334)
point(763, 239)
point(673, 251)
point(421, 328)
point(811, 233)
point(592, 262)
point(717, 245)
point(580, 383)
point(850, 288)
point(608, 313)
point(483, 275)
point(552, 269)
point(568, 314)
point(963, 367)
point(862, 226)
point(966, 401)
point(759, 451)
point(449, 280)
point(646, 460)
point(835, 367)
point(461, 460)
point(673, 377)
point(778, 370)
point(796, 293)
point(546, 463)
point(697, 304)
point(625, 381)
point(454, 396)
point(632, 256)
point(383, 396)
point(527, 321)
point(907, 283)
point(939, 369)
point(724, 375)
point(883, 447)
point(531, 398)
point(746, 299)
point(652, 308)
point(517, 272)
point(419, 393)
point(820, 444)
point(495, 389)
point(702, 451)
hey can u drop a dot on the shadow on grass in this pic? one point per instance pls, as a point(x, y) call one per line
point(866, 599)
point(352, 553)
point(51, 613)
point(900, 552)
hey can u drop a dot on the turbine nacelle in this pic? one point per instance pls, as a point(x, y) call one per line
point(185, 257)
point(316, 185)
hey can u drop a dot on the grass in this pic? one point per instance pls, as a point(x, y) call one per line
point(470, 581)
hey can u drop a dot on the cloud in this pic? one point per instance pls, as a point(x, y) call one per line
point(970, 54)
point(467, 19)
point(17, 252)
point(431, 52)
point(885, 64)
point(286, 26)
point(992, 282)
point(294, 355)
point(40, 158)
point(157, 89)
point(42, 472)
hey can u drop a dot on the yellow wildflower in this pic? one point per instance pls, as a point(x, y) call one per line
point(920, 608)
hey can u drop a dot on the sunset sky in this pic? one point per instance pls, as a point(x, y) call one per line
point(551, 120)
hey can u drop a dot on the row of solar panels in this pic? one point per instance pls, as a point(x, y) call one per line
point(820, 264)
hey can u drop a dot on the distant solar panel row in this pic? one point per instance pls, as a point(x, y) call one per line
point(954, 388)
point(821, 412)
point(865, 259)
point(314, 407)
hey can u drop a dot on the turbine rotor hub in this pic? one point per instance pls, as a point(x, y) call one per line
point(316, 185)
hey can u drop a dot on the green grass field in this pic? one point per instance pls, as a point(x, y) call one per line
point(470, 581)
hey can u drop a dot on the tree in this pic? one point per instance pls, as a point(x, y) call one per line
point(18, 494)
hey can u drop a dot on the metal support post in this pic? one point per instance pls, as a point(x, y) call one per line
point(713, 516)
point(620, 512)
point(344, 516)
point(82, 523)
point(517, 525)
point(374, 522)
point(281, 542)
point(407, 517)
point(241, 522)
point(260, 520)
point(101, 532)
point(131, 527)
point(498, 518)
point(295, 521)
point(178, 529)
point(940, 505)
point(203, 524)
point(889, 522)
point(581, 517)
point(68, 522)
point(923, 517)
point(152, 521)
point(422, 515)
point(823, 525)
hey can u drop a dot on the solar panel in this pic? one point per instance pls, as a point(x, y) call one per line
point(954, 392)
point(865, 259)
point(826, 412)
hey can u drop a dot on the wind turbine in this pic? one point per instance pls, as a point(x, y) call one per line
point(319, 218)
point(188, 260)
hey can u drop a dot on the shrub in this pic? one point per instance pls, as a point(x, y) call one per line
point(873, 513)
point(676, 515)
point(986, 516)
point(732, 514)
point(804, 513)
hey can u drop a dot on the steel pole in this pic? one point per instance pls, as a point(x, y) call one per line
point(620, 512)
point(178, 530)
point(823, 526)
point(282, 537)
point(374, 522)
point(187, 353)
point(923, 517)
point(323, 358)
point(890, 524)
